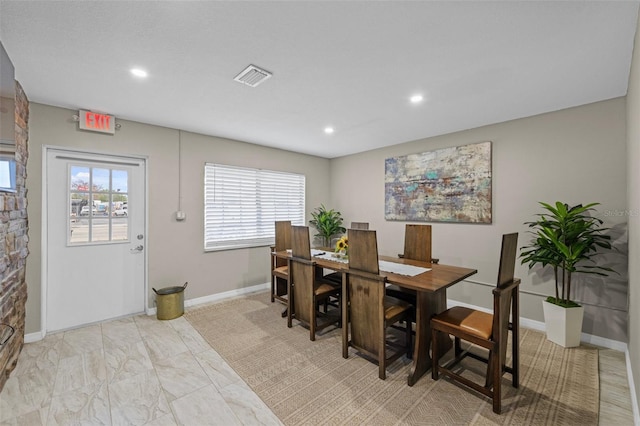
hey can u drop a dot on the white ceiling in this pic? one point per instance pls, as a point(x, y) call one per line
point(351, 65)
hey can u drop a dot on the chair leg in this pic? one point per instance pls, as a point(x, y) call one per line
point(458, 347)
point(382, 352)
point(434, 354)
point(345, 323)
point(408, 337)
point(312, 324)
point(290, 305)
point(497, 380)
point(488, 381)
point(515, 357)
point(340, 310)
point(273, 288)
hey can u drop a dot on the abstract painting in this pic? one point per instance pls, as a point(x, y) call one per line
point(445, 185)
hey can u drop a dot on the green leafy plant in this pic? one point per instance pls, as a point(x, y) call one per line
point(328, 223)
point(566, 238)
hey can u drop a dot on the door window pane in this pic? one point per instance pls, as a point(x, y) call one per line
point(120, 217)
point(80, 178)
point(98, 208)
point(100, 180)
point(120, 180)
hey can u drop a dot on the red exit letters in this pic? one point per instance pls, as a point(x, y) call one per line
point(96, 122)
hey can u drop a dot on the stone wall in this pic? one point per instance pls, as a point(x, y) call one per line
point(13, 247)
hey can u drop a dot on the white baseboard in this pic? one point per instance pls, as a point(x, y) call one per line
point(39, 335)
point(524, 322)
point(33, 337)
point(219, 296)
point(604, 342)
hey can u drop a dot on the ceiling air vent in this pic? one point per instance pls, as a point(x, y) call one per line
point(252, 76)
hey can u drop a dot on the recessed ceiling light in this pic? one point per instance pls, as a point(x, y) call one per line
point(138, 72)
point(416, 99)
point(328, 130)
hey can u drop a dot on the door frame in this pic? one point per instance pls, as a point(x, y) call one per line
point(44, 243)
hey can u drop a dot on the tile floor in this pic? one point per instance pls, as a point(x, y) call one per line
point(133, 371)
point(141, 371)
point(615, 396)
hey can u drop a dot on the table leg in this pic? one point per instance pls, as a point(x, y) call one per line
point(427, 305)
point(289, 309)
point(345, 316)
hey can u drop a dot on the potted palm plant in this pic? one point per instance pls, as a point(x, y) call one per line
point(328, 223)
point(565, 239)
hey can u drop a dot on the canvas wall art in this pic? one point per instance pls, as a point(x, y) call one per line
point(445, 185)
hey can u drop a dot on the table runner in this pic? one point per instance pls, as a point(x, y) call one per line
point(394, 268)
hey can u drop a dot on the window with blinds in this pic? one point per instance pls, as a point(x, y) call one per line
point(242, 204)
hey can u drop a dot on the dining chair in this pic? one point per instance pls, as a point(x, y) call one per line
point(308, 290)
point(279, 266)
point(371, 311)
point(417, 243)
point(359, 225)
point(417, 246)
point(489, 331)
point(336, 277)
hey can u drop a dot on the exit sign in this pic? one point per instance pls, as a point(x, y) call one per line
point(96, 122)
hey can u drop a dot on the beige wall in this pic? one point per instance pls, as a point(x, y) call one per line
point(175, 249)
point(633, 178)
point(575, 155)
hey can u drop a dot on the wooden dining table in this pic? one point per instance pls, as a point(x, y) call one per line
point(431, 287)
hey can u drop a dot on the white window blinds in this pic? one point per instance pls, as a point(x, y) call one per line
point(241, 205)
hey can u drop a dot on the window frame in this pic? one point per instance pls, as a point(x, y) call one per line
point(91, 193)
point(9, 162)
point(230, 190)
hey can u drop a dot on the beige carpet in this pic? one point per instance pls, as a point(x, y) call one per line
point(307, 383)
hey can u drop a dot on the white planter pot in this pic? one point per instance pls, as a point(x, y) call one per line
point(564, 325)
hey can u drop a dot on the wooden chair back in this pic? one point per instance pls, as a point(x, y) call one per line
point(279, 265)
point(508, 254)
point(308, 289)
point(283, 239)
point(363, 251)
point(366, 293)
point(505, 296)
point(301, 274)
point(359, 225)
point(417, 242)
point(300, 242)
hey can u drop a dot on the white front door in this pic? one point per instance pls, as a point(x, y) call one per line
point(95, 238)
